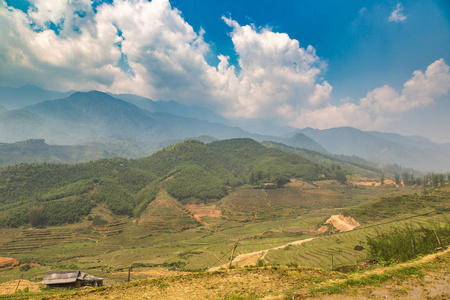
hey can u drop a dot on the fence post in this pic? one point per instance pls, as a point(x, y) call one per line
point(232, 254)
point(18, 285)
point(332, 261)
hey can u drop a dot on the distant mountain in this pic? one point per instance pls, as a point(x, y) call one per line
point(15, 98)
point(85, 116)
point(299, 140)
point(351, 163)
point(31, 151)
point(388, 148)
point(262, 127)
point(17, 125)
point(37, 151)
point(173, 108)
point(2, 109)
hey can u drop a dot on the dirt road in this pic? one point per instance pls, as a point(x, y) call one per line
point(252, 258)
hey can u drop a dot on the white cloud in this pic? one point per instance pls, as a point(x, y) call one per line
point(278, 79)
point(397, 15)
point(30, 52)
point(166, 58)
point(382, 105)
point(277, 76)
point(362, 11)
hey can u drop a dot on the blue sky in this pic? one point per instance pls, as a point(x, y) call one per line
point(356, 38)
point(374, 65)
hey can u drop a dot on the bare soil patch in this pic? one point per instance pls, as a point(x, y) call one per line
point(201, 210)
point(8, 262)
point(342, 223)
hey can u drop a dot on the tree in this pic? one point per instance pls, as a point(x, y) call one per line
point(341, 176)
point(35, 216)
point(397, 179)
point(441, 179)
point(382, 179)
point(418, 181)
point(252, 178)
point(405, 176)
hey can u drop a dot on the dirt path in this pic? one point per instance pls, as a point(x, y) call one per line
point(253, 257)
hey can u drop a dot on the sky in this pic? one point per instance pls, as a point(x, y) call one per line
point(373, 65)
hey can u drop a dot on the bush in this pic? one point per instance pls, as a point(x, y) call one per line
point(24, 268)
point(358, 248)
point(405, 244)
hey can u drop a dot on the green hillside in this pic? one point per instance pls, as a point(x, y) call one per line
point(351, 163)
point(192, 172)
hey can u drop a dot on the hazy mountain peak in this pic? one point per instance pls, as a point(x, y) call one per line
point(15, 98)
point(389, 148)
point(300, 140)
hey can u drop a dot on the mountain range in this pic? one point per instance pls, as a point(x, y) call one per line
point(87, 117)
point(388, 148)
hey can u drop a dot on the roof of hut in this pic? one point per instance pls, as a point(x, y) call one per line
point(63, 277)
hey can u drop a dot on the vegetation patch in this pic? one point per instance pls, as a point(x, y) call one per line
point(402, 244)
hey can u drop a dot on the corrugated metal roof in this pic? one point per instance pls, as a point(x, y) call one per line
point(62, 277)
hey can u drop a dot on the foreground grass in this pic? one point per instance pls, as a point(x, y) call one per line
point(423, 276)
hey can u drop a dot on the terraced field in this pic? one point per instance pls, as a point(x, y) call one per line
point(169, 237)
point(341, 247)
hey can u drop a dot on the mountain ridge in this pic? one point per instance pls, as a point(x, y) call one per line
point(387, 148)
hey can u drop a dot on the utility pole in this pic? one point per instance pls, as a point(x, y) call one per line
point(129, 274)
point(332, 262)
point(232, 254)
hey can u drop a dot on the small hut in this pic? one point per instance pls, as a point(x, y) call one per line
point(71, 279)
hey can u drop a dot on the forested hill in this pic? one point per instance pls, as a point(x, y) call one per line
point(54, 194)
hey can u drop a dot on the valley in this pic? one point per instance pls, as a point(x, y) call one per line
point(224, 150)
point(136, 196)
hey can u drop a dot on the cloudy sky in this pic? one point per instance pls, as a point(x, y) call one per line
point(373, 65)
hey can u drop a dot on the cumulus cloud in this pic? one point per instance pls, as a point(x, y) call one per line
point(383, 105)
point(397, 15)
point(277, 76)
point(33, 51)
point(148, 48)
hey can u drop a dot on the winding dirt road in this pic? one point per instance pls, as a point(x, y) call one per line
point(253, 257)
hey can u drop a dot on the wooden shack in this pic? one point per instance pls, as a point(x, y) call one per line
point(70, 279)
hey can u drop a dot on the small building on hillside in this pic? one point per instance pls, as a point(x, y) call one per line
point(269, 185)
point(71, 279)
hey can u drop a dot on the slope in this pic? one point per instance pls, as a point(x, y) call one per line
point(386, 148)
point(192, 172)
point(173, 108)
point(16, 98)
point(352, 164)
point(95, 115)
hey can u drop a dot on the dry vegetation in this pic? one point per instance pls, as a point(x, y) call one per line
point(425, 278)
